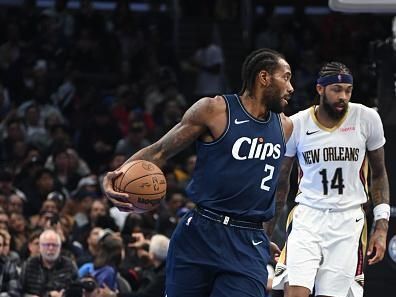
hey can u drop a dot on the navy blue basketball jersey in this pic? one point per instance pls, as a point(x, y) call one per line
point(237, 174)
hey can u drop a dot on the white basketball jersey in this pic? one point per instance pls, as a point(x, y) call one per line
point(333, 161)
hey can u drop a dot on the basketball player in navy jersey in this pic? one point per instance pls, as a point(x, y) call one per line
point(220, 248)
point(332, 142)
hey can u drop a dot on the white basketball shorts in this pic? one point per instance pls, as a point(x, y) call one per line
point(322, 249)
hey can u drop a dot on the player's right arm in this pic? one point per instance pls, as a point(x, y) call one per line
point(196, 122)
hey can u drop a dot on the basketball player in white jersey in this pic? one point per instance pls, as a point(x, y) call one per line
point(332, 143)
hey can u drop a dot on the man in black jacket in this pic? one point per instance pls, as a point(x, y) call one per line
point(48, 274)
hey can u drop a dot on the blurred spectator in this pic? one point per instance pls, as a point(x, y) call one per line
point(153, 280)
point(169, 218)
point(44, 183)
point(9, 284)
point(134, 140)
point(105, 264)
point(15, 203)
point(63, 169)
point(90, 247)
point(18, 230)
point(208, 62)
point(48, 273)
point(7, 187)
point(32, 246)
point(7, 251)
point(4, 220)
point(97, 148)
point(14, 131)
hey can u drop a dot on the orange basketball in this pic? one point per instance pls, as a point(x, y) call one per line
point(144, 182)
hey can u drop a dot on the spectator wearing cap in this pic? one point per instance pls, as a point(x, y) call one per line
point(82, 198)
point(49, 273)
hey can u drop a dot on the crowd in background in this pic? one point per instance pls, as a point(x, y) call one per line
point(80, 91)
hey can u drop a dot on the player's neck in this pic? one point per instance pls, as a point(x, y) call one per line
point(324, 118)
point(254, 106)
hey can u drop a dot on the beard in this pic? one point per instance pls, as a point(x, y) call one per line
point(273, 97)
point(331, 110)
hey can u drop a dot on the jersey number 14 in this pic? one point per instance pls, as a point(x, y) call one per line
point(337, 182)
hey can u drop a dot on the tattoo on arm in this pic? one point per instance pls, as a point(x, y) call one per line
point(177, 139)
point(379, 183)
point(379, 178)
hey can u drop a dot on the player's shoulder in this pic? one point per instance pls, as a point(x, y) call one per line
point(302, 115)
point(366, 113)
point(211, 105)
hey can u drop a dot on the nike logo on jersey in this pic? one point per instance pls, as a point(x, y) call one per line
point(312, 132)
point(240, 122)
point(357, 220)
point(256, 242)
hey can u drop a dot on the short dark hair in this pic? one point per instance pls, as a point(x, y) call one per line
point(261, 59)
point(333, 68)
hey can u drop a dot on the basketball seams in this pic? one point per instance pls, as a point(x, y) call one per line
point(145, 185)
point(139, 194)
point(131, 181)
point(125, 173)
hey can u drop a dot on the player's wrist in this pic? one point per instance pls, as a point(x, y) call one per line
point(381, 225)
point(381, 211)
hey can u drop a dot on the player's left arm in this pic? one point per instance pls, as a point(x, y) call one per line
point(380, 196)
point(287, 126)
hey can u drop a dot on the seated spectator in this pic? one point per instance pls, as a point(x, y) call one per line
point(153, 280)
point(49, 273)
point(32, 247)
point(90, 247)
point(19, 231)
point(16, 203)
point(105, 264)
point(9, 284)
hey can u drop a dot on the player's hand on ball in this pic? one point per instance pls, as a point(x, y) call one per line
point(120, 200)
point(275, 251)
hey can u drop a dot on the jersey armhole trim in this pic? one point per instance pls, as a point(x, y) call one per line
point(227, 126)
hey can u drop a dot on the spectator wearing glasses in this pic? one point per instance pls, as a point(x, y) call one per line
point(49, 273)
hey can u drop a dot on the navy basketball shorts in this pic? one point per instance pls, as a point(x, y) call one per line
point(209, 259)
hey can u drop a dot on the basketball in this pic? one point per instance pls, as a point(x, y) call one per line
point(144, 182)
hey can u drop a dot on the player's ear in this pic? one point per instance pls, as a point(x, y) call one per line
point(264, 77)
point(320, 89)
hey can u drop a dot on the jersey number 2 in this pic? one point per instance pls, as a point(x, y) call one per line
point(337, 182)
point(270, 170)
